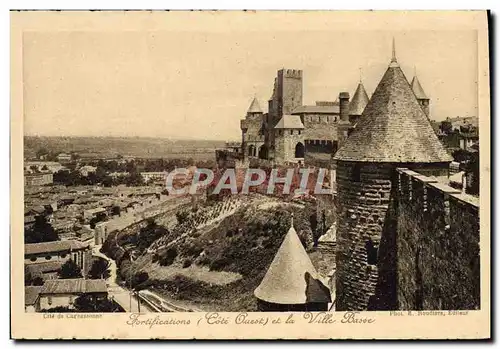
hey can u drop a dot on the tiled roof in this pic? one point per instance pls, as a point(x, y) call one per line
point(417, 89)
point(45, 267)
point(254, 107)
point(317, 109)
point(393, 127)
point(358, 101)
point(31, 294)
point(53, 246)
point(290, 121)
point(74, 286)
point(291, 277)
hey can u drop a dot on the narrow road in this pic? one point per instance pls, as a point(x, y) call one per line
point(121, 295)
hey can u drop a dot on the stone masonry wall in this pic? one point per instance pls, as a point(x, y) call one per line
point(367, 243)
point(437, 245)
point(363, 192)
point(285, 145)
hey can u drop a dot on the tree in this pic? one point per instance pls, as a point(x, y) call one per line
point(37, 281)
point(181, 216)
point(41, 231)
point(87, 303)
point(41, 152)
point(70, 270)
point(134, 179)
point(446, 127)
point(34, 169)
point(139, 278)
point(99, 269)
point(150, 233)
point(169, 257)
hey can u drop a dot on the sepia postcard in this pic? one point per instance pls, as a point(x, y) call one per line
point(250, 175)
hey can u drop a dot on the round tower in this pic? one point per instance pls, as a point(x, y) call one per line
point(392, 132)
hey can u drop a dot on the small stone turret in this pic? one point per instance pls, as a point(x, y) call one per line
point(344, 125)
point(422, 98)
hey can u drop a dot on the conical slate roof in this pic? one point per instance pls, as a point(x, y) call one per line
point(393, 127)
point(291, 277)
point(417, 89)
point(254, 106)
point(359, 101)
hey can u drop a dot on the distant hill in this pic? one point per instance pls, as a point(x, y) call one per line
point(111, 146)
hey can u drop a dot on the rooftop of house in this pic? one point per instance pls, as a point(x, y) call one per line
point(31, 294)
point(65, 286)
point(53, 246)
point(40, 268)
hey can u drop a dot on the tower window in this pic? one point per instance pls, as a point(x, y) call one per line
point(371, 252)
point(356, 173)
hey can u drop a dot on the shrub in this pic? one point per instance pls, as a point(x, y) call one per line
point(169, 257)
point(187, 263)
point(219, 264)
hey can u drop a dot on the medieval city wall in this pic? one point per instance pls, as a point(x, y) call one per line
point(363, 192)
point(367, 241)
point(320, 127)
point(437, 245)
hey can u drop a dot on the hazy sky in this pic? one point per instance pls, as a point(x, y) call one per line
point(200, 84)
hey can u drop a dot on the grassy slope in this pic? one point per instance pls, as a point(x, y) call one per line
point(242, 244)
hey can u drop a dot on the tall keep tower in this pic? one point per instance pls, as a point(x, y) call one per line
point(392, 132)
point(287, 95)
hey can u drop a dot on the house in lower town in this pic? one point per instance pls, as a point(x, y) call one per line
point(38, 179)
point(60, 251)
point(153, 176)
point(33, 273)
point(86, 170)
point(63, 292)
point(63, 157)
point(31, 298)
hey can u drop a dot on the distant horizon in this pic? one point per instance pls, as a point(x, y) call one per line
point(199, 84)
point(129, 137)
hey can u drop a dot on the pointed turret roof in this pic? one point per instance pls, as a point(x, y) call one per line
point(417, 89)
point(393, 126)
point(291, 277)
point(359, 100)
point(254, 106)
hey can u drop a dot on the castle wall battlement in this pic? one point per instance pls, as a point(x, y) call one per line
point(437, 245)
point(292, 73)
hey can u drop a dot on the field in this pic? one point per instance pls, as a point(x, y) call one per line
point(107, 147)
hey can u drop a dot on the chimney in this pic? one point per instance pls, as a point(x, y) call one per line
point(344, 124)
point(344, 106)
